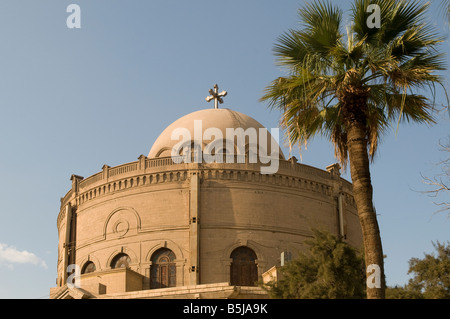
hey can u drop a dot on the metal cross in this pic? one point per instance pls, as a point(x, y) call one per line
point(216, 96)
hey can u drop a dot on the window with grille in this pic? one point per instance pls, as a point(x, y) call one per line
point(88, 267)
point(120, 261)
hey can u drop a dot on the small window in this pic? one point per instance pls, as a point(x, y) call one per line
point(121, 261)
point(88, 267)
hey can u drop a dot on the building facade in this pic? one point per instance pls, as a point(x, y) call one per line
point(160, 228)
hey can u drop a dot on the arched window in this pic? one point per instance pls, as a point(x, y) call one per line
point(163, 269)
point(120, 261)
point(88, 267)
point(243, 271)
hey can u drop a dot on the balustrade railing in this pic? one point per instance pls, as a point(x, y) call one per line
point(146, 165)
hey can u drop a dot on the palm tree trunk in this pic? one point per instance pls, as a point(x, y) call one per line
point(362, 193)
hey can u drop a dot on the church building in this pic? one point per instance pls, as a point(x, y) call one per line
point(176, 224)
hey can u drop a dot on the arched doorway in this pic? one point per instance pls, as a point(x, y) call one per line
point(243, 270)
point(163, 269)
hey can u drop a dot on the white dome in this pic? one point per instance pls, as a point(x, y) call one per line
point(211, 118)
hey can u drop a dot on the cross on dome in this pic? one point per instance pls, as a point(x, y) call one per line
point(216, 96)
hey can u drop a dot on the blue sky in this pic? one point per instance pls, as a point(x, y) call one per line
point(72, 100)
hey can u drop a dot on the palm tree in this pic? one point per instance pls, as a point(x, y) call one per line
point(446, 7)
point(350, 87)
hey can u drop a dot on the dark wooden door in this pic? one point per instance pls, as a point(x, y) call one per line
point(243, 270)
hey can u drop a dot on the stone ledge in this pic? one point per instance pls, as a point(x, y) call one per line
point(205, 291)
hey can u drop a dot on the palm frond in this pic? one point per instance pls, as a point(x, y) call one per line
point(396, 17)
point(310, 47)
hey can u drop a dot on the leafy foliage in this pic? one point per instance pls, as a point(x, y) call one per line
point(432, 273)
point(431, 278)
point(402, 292)
point(330, 270)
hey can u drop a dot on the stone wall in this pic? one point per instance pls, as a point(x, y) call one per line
point(201, 212)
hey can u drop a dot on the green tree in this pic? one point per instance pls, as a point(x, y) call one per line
point(403, 292)
point(350, 87)
point(432, 273)
point(330, 270)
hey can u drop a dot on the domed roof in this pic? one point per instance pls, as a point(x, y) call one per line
point(210, 118)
